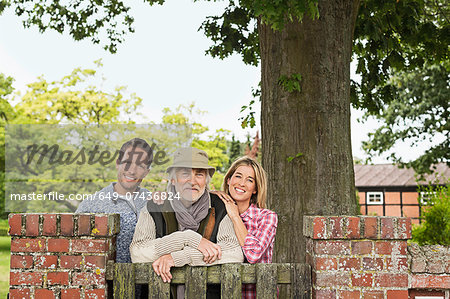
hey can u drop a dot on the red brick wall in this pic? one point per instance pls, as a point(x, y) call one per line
point(60, 255)
point(368, 257)
point(65, 256)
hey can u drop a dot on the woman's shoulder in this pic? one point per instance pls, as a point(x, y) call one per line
point(265, 214)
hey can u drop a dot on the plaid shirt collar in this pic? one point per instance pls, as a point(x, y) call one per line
point(249, 213)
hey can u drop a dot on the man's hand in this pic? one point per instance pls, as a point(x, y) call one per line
point(162, 267)
point(210, 251)
point(157, 197)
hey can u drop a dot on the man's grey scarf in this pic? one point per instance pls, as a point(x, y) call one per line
point(190, 218)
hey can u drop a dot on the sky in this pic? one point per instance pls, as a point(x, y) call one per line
point(163, 62)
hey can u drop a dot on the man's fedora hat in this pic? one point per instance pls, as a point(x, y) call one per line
point(191, 157)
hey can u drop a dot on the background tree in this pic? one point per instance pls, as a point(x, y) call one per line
point(214, 144)
point(6, 112)
point(91, 117)
point(402, 50)
point(235, 150)
point(418, 112)
point(75, 99)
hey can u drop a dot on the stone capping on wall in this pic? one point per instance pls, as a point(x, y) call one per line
point(61, 255)
point(429, 266)
point(429, 258)
point(357, 227)
point(369, 257)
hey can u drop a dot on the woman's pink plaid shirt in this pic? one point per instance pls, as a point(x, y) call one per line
point(261, 225)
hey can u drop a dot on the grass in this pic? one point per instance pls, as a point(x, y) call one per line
point(5, 246)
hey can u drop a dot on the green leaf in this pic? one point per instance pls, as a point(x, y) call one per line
point(290, 83)
point(291, 158)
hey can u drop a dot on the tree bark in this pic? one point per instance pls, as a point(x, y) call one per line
point(314, 122)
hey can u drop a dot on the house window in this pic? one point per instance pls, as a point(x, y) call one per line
point(425, 197)
point(374, 198)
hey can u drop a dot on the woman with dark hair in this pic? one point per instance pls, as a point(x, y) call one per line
point(244, 194)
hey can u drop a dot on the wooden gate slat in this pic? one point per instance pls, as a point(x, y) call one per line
point(301, 281)
point(231, 282)
point(157, 289)
point(124, 281)
point(195, 282)
point(266, 281)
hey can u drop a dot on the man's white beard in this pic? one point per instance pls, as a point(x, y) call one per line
point(196, 198)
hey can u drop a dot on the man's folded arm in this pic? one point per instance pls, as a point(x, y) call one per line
point(145, 247)
point(193, 257)
point(226, 239)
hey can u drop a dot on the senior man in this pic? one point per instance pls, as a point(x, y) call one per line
point(192, 228)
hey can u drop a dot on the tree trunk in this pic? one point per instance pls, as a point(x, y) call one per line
point(314, 122)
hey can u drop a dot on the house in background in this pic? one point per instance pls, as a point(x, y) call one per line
point(386, 190)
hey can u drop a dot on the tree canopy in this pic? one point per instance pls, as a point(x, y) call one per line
point(6, 112)
point(402, 52)
point(75, 113)
point(391, 39)
point(419, 112)
point(76, 99)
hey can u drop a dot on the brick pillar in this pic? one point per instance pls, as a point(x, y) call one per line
point(61, 255)
point(358, 257)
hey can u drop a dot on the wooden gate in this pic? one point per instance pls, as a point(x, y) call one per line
point(229, 276)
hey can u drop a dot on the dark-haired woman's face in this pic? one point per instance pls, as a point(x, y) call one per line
point(242, 184)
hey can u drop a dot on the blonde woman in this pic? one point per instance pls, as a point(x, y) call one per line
point(244, 194)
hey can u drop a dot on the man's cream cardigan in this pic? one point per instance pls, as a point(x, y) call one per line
point(182, 245)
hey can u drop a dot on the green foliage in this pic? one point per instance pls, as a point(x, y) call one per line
point(215, 145)
point(277, 13)
point(402, 52)
point(4, 227)
point(76, 99)
point(393, 36)
point(419, 111)
point(81, 19)
point(290, 83)
point(5, 90)
point(436, 216)
point(249, 119)
point(6, 113)
point(5, 255)
point(235, 150)
point(291, 158)
point(235, 31)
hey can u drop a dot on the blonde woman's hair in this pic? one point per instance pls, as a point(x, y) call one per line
point(259, 198)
